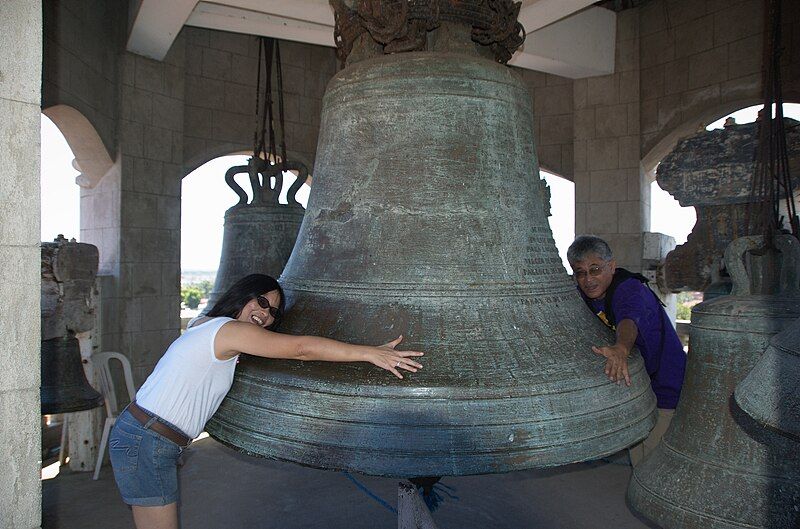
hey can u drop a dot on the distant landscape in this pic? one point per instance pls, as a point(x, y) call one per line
point(192, 277)
point(196, 285)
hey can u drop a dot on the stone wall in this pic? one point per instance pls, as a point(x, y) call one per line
point(150, 155)
point(82, 39)
point(612, 197)
point(20, 74)
point(680, 64)
point(701, 59)
point(221, 72)
point(552, 101)
point(132, 214)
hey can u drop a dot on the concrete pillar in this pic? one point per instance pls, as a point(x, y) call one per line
point(20, 78)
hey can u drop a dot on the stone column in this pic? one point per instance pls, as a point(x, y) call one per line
point(136, 216)
point(612, 195)
point(20, 77)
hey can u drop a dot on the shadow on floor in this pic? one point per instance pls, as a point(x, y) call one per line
point(222, 489)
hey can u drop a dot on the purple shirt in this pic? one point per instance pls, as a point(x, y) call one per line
point(664, 357)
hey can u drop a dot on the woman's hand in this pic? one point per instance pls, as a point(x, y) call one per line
point(386, 357)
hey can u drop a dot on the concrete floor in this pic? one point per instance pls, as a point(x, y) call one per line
point(223, 489)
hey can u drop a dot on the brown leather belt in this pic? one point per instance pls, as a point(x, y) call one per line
point(157, 426)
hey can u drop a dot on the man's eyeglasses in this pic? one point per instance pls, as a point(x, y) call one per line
point(263, 302)
point(594, 271)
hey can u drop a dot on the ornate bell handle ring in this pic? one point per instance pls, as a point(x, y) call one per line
point(233, 171)
point(734, 262)
point(302, 176)
point(267, 194)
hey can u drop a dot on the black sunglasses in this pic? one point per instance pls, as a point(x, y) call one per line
point(263, 302)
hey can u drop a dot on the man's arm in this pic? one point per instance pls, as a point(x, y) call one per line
point(617, 354)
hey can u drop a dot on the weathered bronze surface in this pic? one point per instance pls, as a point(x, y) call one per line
point(770, 394)
point(708, 472)
point(427, 220)
point(713, 171)
point(64, 385)
point(69, 270)
point(258, 237)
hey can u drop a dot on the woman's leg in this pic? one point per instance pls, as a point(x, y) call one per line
point(161, 517)
point(146, 474)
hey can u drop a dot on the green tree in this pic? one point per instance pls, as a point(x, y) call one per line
point(205, 286)
point(191, 296)
point(684, 312)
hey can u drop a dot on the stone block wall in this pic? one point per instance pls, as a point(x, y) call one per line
point(20, 74)
point(150, 155)
point(680, 64)
point(612, 197)
point(552, 100)
point(82, 39)
point(701, 60)
point(160, 120)
point(221, 75)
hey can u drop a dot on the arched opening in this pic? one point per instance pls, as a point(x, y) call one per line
point(73, 162)
point(91, 157)
point(205, 196)
point(668, 216)
point(60, 214)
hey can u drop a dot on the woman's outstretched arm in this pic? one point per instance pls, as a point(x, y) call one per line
point(235, 337)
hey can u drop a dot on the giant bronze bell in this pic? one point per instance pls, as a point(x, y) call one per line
point(258, 236)
point(428, 220)
point(708, 472)
point(770, 394)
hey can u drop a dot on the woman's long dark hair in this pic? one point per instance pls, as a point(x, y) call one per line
point(234, 299)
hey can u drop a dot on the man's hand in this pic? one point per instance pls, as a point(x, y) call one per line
point(616, 362)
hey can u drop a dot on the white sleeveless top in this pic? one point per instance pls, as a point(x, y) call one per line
point(189, 382)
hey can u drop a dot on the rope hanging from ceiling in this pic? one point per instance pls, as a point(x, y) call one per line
point(772, 182)
point(264, 137)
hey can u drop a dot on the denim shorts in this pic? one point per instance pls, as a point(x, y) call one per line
point(145, 463)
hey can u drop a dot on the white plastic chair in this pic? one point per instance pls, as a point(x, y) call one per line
point(103, 372)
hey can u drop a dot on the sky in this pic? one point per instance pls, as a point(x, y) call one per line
point(206, 196)
point(60, 194)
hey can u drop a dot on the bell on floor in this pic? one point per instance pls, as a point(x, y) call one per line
point(708, 472)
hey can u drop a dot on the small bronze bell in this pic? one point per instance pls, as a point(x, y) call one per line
point(770, 394)
point(259, 236)
point(64, 385)
point(69, 269)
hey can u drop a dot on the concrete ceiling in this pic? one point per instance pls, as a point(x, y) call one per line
point(564, 37)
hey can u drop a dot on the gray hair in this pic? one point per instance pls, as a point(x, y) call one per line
point(586, 244)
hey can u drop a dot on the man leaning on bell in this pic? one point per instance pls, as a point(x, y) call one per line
point(623, 301)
